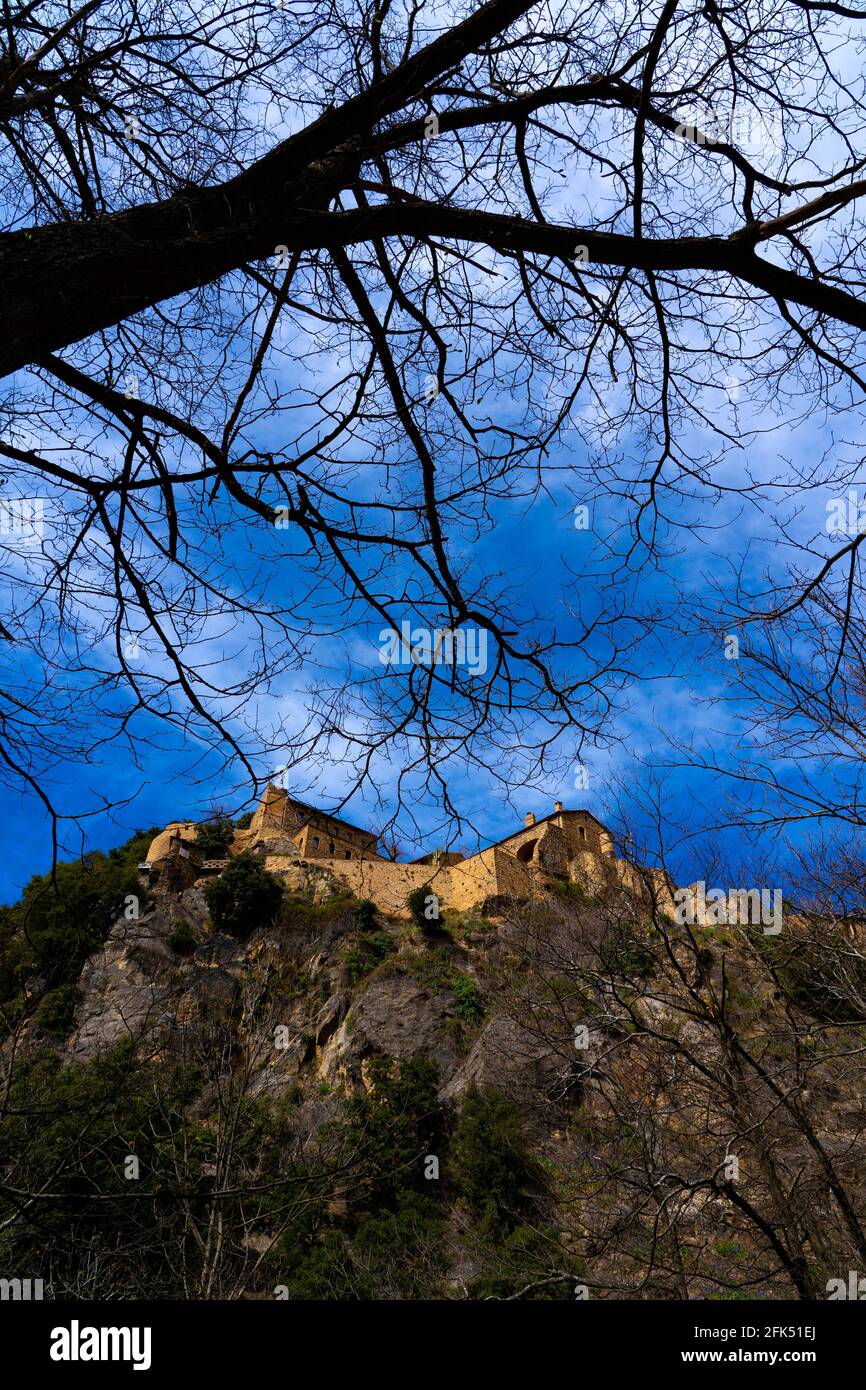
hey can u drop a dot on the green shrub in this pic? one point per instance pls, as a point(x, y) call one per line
point(625, 952)
point(357, 962)
point(389, 1242)
point(244, 897)
point(817, 972)
point(182, 940)
point(73, 1126)
point(62, 919)
point(523, 1258)
point(468, 999)
point(490, 1159)
point(565, 888)
point(365, 915)
point(386, 1255)
point(365, 953)
point(213, 837)
point(397, 1122)
point(57, 1009)
point(300, 913)
point(433, 969)
point(418, 905)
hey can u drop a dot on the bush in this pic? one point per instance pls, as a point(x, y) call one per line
point(182, 941)
point(73, 1126)
point(244, 897)
point(490, 1158)
point(387, 1255)
point(57, 1010)
point(60, 921)
point(363, 955)
point(365, 915)
point(625, 952)
point(817, 973)
point(418, 905)
point(469, 1005)
point(523, 1258)
point(566, 888)
point(434, 968)
point(398, 1122)
point(213, 837)
point(389, 1242)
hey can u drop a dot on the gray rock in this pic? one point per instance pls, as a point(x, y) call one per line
point(125, 987)
point(396, 1016)
point(330, 1016)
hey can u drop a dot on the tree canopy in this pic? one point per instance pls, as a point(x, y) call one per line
point(297, 297)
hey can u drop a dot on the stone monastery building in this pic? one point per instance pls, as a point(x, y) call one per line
point(302, 844)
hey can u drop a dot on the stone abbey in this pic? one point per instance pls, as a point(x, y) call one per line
point(300, 844)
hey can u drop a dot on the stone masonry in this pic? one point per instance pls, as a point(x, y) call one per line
point(302, 844)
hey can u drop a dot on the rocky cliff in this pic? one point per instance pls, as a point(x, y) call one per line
point(571, 1097)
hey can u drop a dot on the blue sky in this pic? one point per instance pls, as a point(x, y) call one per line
point(676, 692)
point(538, 541)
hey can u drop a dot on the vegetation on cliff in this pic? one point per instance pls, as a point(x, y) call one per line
point(63, 916)
point(574, 1098)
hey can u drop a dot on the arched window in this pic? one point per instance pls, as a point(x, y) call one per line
point(315, 842)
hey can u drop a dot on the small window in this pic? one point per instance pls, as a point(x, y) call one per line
point(315, 842)
point(330, 846)
point(582, 833)
point(348, 854)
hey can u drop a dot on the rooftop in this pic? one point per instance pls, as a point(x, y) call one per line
point(309, 810)
point(542, 820)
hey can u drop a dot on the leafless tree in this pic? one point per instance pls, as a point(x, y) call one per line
point(299, 300)
point(711, 1127)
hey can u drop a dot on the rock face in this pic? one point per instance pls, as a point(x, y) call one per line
point(507, 1057)
point(126, 987)
point(397, 1017)
point(612, 1060)
point(137, 986)
point(275, 844)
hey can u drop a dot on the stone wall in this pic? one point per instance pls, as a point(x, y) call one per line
point(567, 844)
point(460, 886)
point(317, 835)
point(492, 873)
point(160, 845)
point(325, 842)
point(594, 873)
point(386, 883)
point(578, 829)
